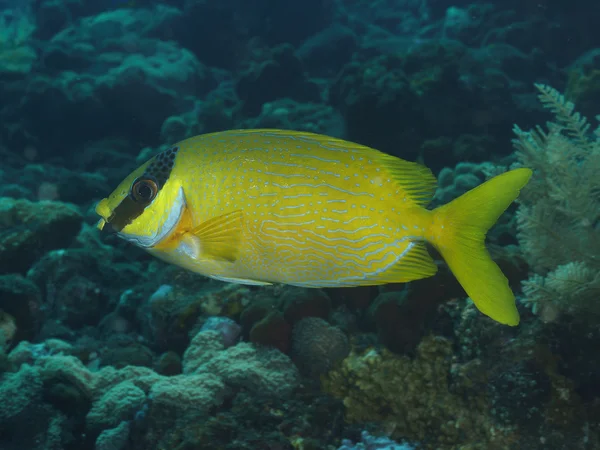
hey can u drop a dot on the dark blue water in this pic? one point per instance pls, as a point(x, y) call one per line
point(103, 346)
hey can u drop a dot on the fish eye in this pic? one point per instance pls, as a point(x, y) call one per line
point(144, 190)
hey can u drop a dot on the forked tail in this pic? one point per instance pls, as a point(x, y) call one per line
point(458, 233)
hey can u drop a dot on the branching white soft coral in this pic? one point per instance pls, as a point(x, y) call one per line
point(559, 216)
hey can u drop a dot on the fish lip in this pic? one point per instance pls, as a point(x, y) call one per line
point(106, 229)
point(173, 219)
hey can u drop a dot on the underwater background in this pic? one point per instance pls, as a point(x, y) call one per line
point(104, 347)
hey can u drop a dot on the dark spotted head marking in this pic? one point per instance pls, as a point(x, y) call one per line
point(143, 191)
point(160, 168)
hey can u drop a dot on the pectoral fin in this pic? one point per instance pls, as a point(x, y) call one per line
point(219, 238)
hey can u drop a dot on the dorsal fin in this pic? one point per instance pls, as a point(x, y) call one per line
point(416, 180)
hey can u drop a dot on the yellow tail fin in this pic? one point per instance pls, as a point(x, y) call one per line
point(458, 233)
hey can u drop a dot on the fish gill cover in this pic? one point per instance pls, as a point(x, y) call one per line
point(103, 346)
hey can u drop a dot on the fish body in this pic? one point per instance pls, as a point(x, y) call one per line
point(274, 206)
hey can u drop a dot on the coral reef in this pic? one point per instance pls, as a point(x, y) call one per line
point(103, 347)
point(415, 398)
point(17, 55)
point(369, 442)
point(110, 396)
point(32, 229)
point(317, 346)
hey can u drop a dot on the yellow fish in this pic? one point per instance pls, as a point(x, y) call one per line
point(274, 206)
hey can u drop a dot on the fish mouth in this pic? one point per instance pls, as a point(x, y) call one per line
point(103, 210)
point(163, 232)
point(105, 227)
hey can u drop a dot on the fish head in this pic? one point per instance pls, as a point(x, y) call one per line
point(147, 207)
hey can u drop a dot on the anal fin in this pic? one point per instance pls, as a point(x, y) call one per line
point(241, 281)
point(413, 263)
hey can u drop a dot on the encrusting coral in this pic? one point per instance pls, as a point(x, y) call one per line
point(416, 398)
